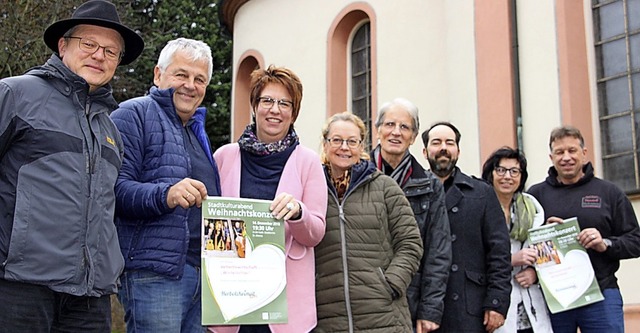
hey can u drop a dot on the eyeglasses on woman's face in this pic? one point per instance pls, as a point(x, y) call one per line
point(338, 142)
point(501, 171)
point(267, 102)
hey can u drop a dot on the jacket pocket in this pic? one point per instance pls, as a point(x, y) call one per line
point(47, 241)
point(297, 251)
point(392, 294)
point(477, 278)
point(419, 206)
point(475, 290)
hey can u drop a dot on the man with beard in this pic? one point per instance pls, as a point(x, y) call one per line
point(478, 291)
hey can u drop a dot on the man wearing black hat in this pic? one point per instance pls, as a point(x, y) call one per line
point(60, 154)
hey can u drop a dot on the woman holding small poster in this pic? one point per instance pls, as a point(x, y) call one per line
point(269, 163)
point(506, 171)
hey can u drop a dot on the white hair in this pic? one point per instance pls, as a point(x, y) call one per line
point(194, 50)
point(407, 105)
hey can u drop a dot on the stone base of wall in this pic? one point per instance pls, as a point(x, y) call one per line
point(632, 318)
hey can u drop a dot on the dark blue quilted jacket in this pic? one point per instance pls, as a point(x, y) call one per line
point(154, 237)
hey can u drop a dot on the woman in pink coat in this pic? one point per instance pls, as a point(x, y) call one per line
point(268, 163)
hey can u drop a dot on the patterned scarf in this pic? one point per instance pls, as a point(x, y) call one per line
point(401, 173)
point(342, 183)
point(524, 210)
point(249, 141)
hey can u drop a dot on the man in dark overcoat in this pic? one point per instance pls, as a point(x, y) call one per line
point(479, 288)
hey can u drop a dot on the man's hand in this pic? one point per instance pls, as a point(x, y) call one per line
point(425, 326)
point(591, 238)
point(492, 320)
point(186, 193)
point(554, 219)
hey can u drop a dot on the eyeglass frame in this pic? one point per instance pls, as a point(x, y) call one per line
point(403, 127)
point(274, 101)
point(518, 171)
point(104, 48)
point(333, 142)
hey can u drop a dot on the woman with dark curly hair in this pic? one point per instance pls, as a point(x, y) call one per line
point(506, 171)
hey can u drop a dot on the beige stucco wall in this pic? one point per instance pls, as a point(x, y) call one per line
point(431, 64)
point(540, 98)
point(629, 273)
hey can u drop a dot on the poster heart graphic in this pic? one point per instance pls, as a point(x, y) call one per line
point(571, 279)
point(243, 285)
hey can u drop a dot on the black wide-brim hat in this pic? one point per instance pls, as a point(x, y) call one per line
point(101, 13)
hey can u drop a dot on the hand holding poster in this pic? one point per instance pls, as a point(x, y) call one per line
point(563, 266)
point(243, 263)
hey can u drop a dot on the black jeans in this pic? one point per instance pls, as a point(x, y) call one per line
point(32, 308)
point(255, 329)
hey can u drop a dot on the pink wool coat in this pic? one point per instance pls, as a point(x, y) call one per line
point(303, 178)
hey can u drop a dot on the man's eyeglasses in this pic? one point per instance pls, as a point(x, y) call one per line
point(267, 103)
point(337, 142)
point(391, 125)
point(514, 172)
point(91, 46)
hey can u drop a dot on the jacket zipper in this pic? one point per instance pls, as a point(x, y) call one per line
point(87, 262)
point(343, 241)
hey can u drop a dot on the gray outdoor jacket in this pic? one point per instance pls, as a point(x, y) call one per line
point(59, 160)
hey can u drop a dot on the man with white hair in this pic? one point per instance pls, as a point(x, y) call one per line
point(398, 126)
point(168, 170)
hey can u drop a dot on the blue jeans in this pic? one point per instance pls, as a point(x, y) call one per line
point(605, 316)
point(37, 309)
point(155, 303)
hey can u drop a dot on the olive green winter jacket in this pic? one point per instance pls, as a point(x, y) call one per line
point(370, 252)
